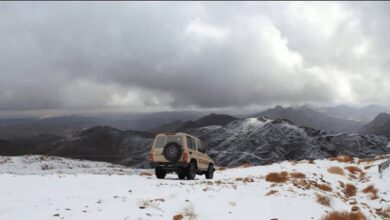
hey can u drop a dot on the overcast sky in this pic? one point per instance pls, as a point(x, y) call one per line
point(151, 56)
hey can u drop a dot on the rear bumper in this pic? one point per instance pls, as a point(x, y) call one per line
point(168, 165)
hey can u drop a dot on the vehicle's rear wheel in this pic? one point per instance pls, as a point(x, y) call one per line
point(191, 170)
point(181, 173)
point(210, 172)
point(160, 173)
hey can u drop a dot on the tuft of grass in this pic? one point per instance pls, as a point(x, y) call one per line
point(372, 190)
point(323, 186)
point(277, 177)
point(143, 173)
point(344, 216)
point(344, 159)
point(190, 212)
point(336, 170)
point(349, 190)
point(178, 217)
point(298, 175)
point(383, 212)
point(353, 170)
point(302, 184)
point(271, 192)
point(245, 165)
point(323, 200)
point(248, 180)
point(354, 208)
point(46, 167)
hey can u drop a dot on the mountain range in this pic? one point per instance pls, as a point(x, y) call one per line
point(312, 117)
point(230, 142)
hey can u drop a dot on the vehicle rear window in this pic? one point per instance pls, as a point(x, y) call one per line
point(161, 141)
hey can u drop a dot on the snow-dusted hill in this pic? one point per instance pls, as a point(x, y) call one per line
point(35, 187)
point(231, 143)
point(263, 141)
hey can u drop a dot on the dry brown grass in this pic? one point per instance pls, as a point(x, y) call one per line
point(143, 173)
point(343, 159)
point(354, 208)
point(245, 165)
point(302, 184)
point(322, 186)
point(298, 175)
point(336, 170)
point(349, 190)
point(178, 217)
point(308, 184)
point(323, 200)
point(344, 216)
point(221, 168)
point(271, 192)
point(372, 190)
point(277, 177)
point(383, 212)
point(190, 212)
point(248, 180)
point(353, 170)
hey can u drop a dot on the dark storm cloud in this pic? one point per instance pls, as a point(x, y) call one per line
point(72, 55)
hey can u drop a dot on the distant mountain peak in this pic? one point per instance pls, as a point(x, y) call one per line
point(310, 116)
point(380, 125)
point(211, 119)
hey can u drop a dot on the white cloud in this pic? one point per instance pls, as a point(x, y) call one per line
point(203, 30)
point(208, 55)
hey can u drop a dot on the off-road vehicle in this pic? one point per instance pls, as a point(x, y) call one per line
point(180, 153)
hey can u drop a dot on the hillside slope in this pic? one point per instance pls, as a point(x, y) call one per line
point(262, 141)
point(380, 125)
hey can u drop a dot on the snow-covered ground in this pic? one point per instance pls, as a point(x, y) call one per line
point(37, 187)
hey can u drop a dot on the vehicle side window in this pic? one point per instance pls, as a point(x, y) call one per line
point(201, 148)
point(191, 143)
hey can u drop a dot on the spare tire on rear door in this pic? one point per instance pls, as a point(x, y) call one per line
point(172, 151)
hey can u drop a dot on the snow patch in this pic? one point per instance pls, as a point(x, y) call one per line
point(239, 193)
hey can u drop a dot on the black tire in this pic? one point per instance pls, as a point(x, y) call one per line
point(181, 173)
point(172, 151)
point(191, 170)
point(160, 173)
point(210, 172)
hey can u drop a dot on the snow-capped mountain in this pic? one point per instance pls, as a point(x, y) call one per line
point(262, 141)
point(251, 140)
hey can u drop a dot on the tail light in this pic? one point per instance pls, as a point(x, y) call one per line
point(185, 156)
point(151, 156)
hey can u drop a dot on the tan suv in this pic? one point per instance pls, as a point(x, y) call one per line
point(180, 153)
